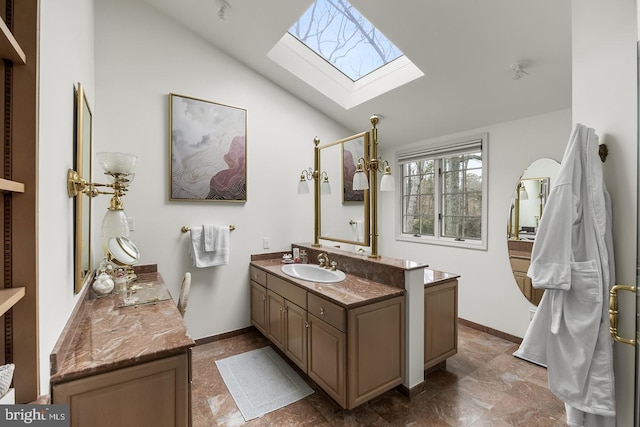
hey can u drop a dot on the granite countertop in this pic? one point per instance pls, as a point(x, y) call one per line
point(352, 292)
point(435, 277)
point(100, 336)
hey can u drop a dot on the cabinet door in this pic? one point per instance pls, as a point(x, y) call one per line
point(440, 323)
point(376, 350)
point(149, 394)
point(296, 334)
point(327, 357)
point(259, 307)
point(275, 314)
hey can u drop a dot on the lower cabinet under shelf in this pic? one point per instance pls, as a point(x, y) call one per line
point(154, 393)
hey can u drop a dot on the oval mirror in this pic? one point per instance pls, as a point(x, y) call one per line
point(123, 251)
point(527, 207)
point(344, 212)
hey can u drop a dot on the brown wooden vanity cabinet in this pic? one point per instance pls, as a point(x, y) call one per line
point(327, 347)
point(353, 354)
point(124, 366)
point(155, 394)
point(440, 322)
point(259, 307)
point(520, 266)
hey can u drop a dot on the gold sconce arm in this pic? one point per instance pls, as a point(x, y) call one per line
point(613, 313)
point(77, 184)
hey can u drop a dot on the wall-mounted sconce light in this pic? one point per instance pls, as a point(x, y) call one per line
point(360, 181)
point(308, 175)
point(375, 164)
point(119, 166)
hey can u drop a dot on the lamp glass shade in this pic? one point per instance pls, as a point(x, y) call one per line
point(115, 224)
point(325, 187)
point(117, 162)
point(303, 187)
point(360, 181)
point(387, 183)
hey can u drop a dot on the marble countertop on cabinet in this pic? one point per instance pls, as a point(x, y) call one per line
point(100, 336)
point(352, 292)
point(435, 277)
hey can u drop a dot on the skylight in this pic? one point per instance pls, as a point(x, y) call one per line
point(337, 32)
point(335, 50)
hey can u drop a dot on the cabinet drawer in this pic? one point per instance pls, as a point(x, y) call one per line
point(287, 290)
point(330, 312)
point(520, 264)
point(258, 276)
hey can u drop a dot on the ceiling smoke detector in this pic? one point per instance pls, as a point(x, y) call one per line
point(223, 10)
point(518, 71)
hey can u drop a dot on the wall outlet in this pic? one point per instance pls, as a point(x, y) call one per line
point(266, 242)
point(532, 312)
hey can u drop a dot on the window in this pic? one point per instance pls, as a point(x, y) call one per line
point(337, 51)
point(343, 37)
point(444, 194)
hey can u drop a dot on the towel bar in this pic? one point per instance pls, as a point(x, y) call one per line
point(184, 228)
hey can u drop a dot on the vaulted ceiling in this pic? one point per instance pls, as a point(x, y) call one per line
point(466, 48)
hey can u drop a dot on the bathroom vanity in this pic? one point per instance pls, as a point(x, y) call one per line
point(520, 259)
point(349, 337)
point(127, 365)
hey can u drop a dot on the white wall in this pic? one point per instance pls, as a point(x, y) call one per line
point(488, 293)
point(66, 58)
point(142, 56)
point(605, 92)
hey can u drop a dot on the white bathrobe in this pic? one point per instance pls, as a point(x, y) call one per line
point(572, 259)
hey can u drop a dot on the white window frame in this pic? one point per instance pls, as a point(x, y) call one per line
point(451, 147)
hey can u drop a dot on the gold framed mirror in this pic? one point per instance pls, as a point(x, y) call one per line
point(82, 215)
point(344, 214)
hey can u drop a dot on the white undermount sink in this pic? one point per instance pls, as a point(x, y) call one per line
point(313, 273)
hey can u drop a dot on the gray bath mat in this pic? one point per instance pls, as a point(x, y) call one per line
point(261, 382)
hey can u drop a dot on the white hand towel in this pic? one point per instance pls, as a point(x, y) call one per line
point(209, 237)
point(220, 256)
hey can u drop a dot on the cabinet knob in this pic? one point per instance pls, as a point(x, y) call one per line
point(307, 324)
point(322, 311)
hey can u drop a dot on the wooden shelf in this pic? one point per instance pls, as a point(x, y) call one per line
point(9, 297)
point(12, 186)
point(9, 47)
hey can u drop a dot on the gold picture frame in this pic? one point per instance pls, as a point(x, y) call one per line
point(207, 150)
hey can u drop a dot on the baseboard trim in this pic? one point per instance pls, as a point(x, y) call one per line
point(225, 335)
point(490, 331)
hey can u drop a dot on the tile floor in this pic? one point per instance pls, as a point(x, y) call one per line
point(483, 385)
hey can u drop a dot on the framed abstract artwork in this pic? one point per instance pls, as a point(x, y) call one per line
point(207, 150)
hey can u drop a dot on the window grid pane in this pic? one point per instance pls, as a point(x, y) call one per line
point(462, 196)
point(418, 198)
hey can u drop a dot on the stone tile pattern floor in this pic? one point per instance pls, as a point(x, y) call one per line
point(483, 385)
